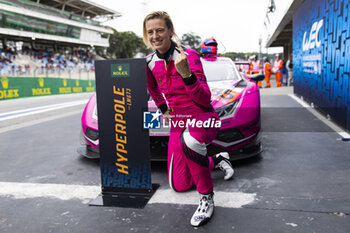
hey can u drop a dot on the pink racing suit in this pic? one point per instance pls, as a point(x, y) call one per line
point(188, 99)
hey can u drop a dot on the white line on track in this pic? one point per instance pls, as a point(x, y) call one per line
point(38, 121)
point(345, 136)
point(222, 199)
point(36, 110)
point(87, 193)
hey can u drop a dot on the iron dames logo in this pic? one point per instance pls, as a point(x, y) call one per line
point(151, 120)
point(120, 70)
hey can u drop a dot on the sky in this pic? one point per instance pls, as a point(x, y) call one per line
point(236, 24)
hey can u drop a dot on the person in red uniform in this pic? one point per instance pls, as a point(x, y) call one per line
point(277, 68)
point(267, 71)
point(255, 67)
point(178, 86)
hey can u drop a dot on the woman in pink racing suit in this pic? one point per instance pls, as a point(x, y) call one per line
point(177, 73)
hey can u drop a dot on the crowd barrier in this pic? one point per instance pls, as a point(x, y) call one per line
point(18, 87)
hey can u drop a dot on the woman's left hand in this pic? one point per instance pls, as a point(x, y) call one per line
point(181, 64)
point(167, 116)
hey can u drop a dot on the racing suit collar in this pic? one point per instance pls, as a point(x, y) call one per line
point(167, 56)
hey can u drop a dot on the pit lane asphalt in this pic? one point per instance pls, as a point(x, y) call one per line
point(301, 181)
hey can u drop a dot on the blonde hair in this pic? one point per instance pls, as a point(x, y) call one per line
point(158, 15)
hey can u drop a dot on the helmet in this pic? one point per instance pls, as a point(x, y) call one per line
point(265, 59)
point(209, 45)
point(252, 57)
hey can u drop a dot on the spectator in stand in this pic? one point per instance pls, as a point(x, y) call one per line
point(50, 59)
point(19, 69)
point(27, 68)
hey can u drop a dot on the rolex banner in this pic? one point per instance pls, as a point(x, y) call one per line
point(124, 144)
point(19, 87)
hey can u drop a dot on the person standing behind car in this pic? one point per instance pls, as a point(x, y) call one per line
point(284, 76)
point(289, 66)
point(267, 71)
point(255, 67)
point(276, 69)
point(176, 73)
point(244, 68)
point(209, 48)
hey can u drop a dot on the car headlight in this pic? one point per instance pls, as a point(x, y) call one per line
point(92, 134)
point(94, 113)
point(227, 110)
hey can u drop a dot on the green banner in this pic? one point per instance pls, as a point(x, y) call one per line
point(18, 87)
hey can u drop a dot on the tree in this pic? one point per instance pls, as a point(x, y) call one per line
point(125, 45)
point(192, 40)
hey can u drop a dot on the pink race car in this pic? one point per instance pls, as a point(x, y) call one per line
point(236, 99)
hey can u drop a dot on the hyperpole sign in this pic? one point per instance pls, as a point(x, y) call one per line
point(124, 144)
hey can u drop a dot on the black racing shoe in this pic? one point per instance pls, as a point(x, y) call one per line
point(204, 211)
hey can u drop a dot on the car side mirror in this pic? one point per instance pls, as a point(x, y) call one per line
point(257, 77)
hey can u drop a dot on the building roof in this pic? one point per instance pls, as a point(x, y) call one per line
point(283, 33)
point(34, 21)
point(83, 8)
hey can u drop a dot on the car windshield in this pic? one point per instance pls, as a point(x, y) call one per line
point(220, 70)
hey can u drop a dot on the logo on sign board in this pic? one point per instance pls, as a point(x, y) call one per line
point(120, 70)
point(313, 40)
point(41, 82)
point(4, 82)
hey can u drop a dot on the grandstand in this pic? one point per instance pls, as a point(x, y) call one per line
point(57, 21)
point(55, 34)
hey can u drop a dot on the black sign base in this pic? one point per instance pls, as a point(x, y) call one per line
point(124, 199)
